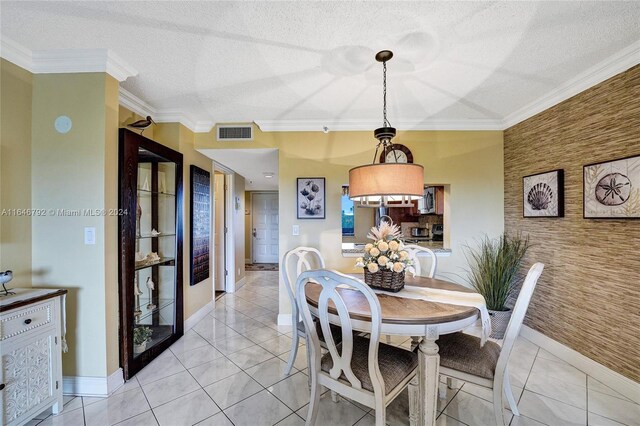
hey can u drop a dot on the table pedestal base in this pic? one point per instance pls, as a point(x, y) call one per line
point(429, 372)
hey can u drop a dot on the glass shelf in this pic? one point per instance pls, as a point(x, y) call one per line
point(148, 192)
point(164, 261)
point(146, 313)
point(155, 236)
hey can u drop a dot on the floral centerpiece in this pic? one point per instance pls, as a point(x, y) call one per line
point(385, 260)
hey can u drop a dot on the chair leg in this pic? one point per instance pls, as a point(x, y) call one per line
point(414, 401)
point(497, 403)
point(335, 396)
point(381, 413)
point(314, 401)
point(295, 339)
point(388, 339)
point(415, 342)
point(449, 382)
point(509, 393)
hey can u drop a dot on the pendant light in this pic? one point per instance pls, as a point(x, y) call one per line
point(390, 181)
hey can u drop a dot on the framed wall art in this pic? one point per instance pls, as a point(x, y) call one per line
point(611, 189)
point(543, 194)
point(200, 224)
point(310, 202)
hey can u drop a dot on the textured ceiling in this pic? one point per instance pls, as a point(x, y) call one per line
point(252, 61)
point(252, 164)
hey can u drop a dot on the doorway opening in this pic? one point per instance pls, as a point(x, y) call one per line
point(219, 234)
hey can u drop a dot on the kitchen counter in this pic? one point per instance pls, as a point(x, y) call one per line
point(357, 249)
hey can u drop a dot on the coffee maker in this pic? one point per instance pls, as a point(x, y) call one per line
point(437, 232)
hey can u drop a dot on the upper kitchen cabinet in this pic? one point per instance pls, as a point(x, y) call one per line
point(433, 200)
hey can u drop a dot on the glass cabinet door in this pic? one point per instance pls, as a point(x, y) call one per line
point(151, 250)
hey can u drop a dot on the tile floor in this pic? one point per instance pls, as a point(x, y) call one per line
point(228, 370)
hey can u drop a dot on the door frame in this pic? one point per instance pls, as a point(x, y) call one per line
point(251, 230)
point(229, 243)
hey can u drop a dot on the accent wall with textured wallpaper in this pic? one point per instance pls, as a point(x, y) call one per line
point(588, 297)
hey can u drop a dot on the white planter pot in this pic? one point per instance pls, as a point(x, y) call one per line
point(140, 348)
point(499, 323)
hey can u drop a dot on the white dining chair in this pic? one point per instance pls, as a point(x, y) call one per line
point(364, 370)
point(414, 250)
point(294, 262)
point(462, 358)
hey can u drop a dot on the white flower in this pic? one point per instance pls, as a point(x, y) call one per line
point(372, 267)
point(368, 247)
point(359, 262)
point(382, 260)
point(393, 256)
point(383, 246)
point(389, 265)
point(374, 252)
point(394, 245)
point(398, 267)
point(401, 246)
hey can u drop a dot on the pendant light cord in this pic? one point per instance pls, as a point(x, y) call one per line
point(385, 122)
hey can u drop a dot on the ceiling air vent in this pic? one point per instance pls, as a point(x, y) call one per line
point(235, 133)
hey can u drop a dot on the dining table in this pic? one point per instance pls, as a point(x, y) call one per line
point(413, 318)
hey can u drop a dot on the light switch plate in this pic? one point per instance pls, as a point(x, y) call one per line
point(296, 229)
point(89, 236)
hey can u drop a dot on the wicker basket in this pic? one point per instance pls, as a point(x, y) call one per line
point(384, 280)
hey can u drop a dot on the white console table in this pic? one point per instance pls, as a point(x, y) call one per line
point(31, 341)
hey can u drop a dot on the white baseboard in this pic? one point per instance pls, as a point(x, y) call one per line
point(284, 319)
point(242, 281)
point(92, 386)
point(197, 316)
point(615, 381)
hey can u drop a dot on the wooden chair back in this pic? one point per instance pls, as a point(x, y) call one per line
point(294, 262)
point(517, 317)
point(330, 280)
point(413, 251)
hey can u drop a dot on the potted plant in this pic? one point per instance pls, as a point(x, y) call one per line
point(141, 335)
point(385, 260)
point(494, 266)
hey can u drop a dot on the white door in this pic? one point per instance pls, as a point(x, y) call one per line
point(265, 227)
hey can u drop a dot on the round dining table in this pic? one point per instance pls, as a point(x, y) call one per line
point(412, 318)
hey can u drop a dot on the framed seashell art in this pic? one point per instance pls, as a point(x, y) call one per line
point(612, 189)
point(543, 194)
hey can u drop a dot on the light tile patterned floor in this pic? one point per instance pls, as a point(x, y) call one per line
point(228, 370)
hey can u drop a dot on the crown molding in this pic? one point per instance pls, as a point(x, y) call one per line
point(135, 104)
point(615, 64)
point(16, 53)
point(369, 125)
point(142, 108)
point(62, 61)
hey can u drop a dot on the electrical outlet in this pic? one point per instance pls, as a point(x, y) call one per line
point(89, 236)
point(296, 229)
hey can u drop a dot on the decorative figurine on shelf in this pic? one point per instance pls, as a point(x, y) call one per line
point(145, 185)
point(138, 216)
point(155, 233)
point(5, 277)
point(151, 286)
point(137, 292)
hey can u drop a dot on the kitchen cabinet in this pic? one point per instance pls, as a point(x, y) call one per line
point(31, 333)
point(433, 200)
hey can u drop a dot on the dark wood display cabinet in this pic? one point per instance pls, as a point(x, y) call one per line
point(150, 263)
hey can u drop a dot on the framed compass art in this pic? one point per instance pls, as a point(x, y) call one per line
point(612, 189)
point(543, 194)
